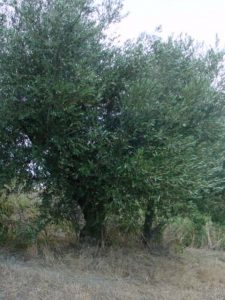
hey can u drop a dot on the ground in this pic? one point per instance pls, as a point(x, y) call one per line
point(113, 274)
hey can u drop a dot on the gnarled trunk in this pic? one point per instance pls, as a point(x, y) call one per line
point(94, 216)
point(151, 231)
point(149, 218)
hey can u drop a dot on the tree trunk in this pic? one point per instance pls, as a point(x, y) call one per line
point(151, 231)
point(94, 215)
point(149, 218)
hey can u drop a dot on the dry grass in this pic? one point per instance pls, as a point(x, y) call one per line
point(114, 274)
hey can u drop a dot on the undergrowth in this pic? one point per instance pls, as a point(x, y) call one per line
point(19, 219)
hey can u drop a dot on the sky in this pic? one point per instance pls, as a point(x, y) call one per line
point(202, 19)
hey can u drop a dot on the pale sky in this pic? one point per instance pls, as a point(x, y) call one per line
point(202, 19)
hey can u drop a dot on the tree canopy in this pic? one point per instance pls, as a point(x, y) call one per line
point(129, 131)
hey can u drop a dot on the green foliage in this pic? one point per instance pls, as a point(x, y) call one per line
point(18, 217)
point(173, 112)
point(183, 232)
point(52, 58)
point(134, 131)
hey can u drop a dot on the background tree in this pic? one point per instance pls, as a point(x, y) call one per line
point(173, 111)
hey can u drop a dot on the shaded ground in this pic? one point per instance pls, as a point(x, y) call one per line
point(114, 274)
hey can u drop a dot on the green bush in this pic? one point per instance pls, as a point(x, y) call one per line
point(18, 218)
point(187, 233)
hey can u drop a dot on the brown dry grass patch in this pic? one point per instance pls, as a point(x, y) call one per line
point(114, 274)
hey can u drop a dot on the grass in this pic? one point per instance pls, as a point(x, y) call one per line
point(114, 274)
point(52, 266)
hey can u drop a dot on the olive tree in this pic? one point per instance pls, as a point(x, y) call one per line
point(53, 54)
